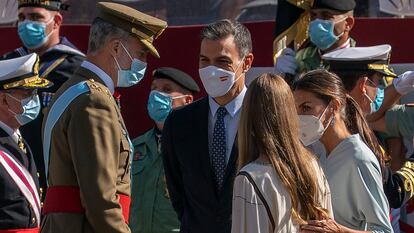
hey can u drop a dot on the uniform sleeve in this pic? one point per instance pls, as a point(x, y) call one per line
point(394, 188)
point(248, 212)
point(172, 167)
point(399, 121)
point(367, 193)
point(94, 140)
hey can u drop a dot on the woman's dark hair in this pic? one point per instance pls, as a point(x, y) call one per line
point(328, 86)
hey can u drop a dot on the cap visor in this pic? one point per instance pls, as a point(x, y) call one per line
point(151, 48)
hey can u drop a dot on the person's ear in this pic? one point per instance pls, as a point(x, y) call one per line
point(350, 22)
point(362, 84)
point(248, 61)
point(114, 47)
point(189, 99)
point(57, 20)
point(336, 105)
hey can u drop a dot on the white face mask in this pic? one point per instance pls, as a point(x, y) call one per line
point(218, 81)
point(311, 128)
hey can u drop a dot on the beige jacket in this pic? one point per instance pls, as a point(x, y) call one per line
point(90, 149)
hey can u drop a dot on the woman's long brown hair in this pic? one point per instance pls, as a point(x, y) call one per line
point(269, 126)
point(328, 86)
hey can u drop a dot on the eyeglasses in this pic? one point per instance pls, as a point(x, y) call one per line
point(381, 84)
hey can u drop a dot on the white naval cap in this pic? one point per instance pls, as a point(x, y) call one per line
point(22, 73)
point(375, 58)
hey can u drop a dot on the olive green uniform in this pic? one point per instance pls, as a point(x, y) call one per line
point(309, 58)
point(151, 209)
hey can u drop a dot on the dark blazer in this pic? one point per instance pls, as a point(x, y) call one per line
point(201, 208)
point(15, 212)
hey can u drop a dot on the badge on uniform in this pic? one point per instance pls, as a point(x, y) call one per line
point(46, 98)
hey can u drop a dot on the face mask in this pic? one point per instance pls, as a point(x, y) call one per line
point(311, 128)
point(128, 78)
point(378, 99)
point(321, 33)
point(31, 109)
point(32, 33)
point(218, 81)
point(160, 105)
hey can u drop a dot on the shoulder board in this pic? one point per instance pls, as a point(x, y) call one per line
point(98, 87)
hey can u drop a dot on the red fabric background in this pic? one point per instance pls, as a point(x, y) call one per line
point(179, 47)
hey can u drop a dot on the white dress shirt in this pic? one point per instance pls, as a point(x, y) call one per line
point(231, 121)
point(101, 74)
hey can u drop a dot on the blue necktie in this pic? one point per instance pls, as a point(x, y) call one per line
point(219, 148)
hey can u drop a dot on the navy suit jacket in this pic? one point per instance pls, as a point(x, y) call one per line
point(201, 208)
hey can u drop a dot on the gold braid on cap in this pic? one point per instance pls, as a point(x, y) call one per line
point(407, 171)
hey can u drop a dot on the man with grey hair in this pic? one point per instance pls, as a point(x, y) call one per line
point(86, 146)
point(199, 145)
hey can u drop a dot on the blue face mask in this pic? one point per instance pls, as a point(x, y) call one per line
point(32, 33)
point(128, 78)
point(31, 109)
point(160, 105)
point(321, 33)
point(378, 99)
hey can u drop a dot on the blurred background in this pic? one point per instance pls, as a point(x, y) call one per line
point(193, 12)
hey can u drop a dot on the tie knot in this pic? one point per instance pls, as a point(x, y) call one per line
point(221, 112)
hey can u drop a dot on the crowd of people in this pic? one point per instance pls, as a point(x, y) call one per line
point(315, 146)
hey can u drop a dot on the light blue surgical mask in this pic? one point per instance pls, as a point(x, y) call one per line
point(33, 33)
point(321, 33)
point(31, 109)
point(132, 76)
point(160, 105)
point(379, 98)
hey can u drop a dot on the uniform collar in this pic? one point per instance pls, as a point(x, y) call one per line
point(347, 44)
point(64, 46)
point(232, 107)
point(15, 134)
point(101, 74)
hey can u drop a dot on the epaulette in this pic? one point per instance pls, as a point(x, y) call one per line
point(98, 87)
point(407, 171)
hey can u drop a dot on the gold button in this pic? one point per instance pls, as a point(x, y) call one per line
point(38, 175)
point(41, 190)
point(33, 220)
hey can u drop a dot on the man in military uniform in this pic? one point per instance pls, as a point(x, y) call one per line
point(19, 104)
point(329, 30)
point(86, 144)
point(151, 209)
point(38, 28)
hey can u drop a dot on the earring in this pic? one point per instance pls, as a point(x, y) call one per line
point(332, 122)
